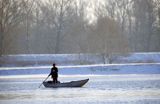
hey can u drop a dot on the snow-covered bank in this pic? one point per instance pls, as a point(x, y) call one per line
point(80, 64)
point(150, 57)
point(77, 66)
point(152, 68)
point(75, 59)
point(48, 59)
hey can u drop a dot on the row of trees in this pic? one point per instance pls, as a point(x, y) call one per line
point(79, 26)
point(139, 20)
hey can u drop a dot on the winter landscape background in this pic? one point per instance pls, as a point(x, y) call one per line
point(114, 43)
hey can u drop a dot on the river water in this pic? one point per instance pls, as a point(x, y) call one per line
point(107, 89)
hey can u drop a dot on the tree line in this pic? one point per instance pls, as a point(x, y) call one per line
point(79, 26)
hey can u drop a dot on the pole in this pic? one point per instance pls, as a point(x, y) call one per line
point(43, 81)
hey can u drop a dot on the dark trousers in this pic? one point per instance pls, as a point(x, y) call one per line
point(55, 78)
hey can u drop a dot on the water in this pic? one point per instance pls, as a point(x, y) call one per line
point(110, 89)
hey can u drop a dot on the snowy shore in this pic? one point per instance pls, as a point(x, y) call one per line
point(23, 60)
point(80, 64)
point(102, 69)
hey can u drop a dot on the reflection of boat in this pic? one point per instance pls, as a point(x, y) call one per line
point(78, 83)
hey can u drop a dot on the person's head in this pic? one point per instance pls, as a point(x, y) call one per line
point(54, 64)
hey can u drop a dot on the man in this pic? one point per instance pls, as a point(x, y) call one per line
point(54, 73)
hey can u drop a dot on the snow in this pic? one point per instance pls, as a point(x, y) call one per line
point(139, 58)
point(103, 69)
point(80, 64)
point(131, 79)
point(75, 59)
point(110, 89)
point(48, 59)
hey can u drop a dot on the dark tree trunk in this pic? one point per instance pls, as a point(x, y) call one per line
point(59, 30)
point(1, 43)
point(27, 32)
point(159, 15)
point(1, 29)
point(57, 45)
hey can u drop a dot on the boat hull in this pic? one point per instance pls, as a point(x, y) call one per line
point(78, 83)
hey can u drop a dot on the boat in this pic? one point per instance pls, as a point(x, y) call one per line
point(78, 83)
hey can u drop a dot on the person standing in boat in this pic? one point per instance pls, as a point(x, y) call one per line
point(54, 73)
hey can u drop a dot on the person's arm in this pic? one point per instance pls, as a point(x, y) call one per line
point(50, 73)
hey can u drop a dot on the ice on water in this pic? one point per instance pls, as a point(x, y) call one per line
point(110, 89)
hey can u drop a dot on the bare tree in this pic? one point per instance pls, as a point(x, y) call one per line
point(64, 26)
point(144, 20)
point(55, 12)
point(75, 31)
point(106, 38)
point(27, 9)
point(107, 34)
point(11, 16)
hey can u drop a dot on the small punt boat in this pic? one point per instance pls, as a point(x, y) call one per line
point(78, 83)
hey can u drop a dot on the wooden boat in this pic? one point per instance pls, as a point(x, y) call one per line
point(78, 83)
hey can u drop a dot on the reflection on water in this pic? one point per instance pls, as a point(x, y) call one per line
point(110, 89)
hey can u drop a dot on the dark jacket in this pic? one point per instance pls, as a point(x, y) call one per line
point(54, 72)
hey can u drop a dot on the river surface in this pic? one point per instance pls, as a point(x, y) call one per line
point(101, 89)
